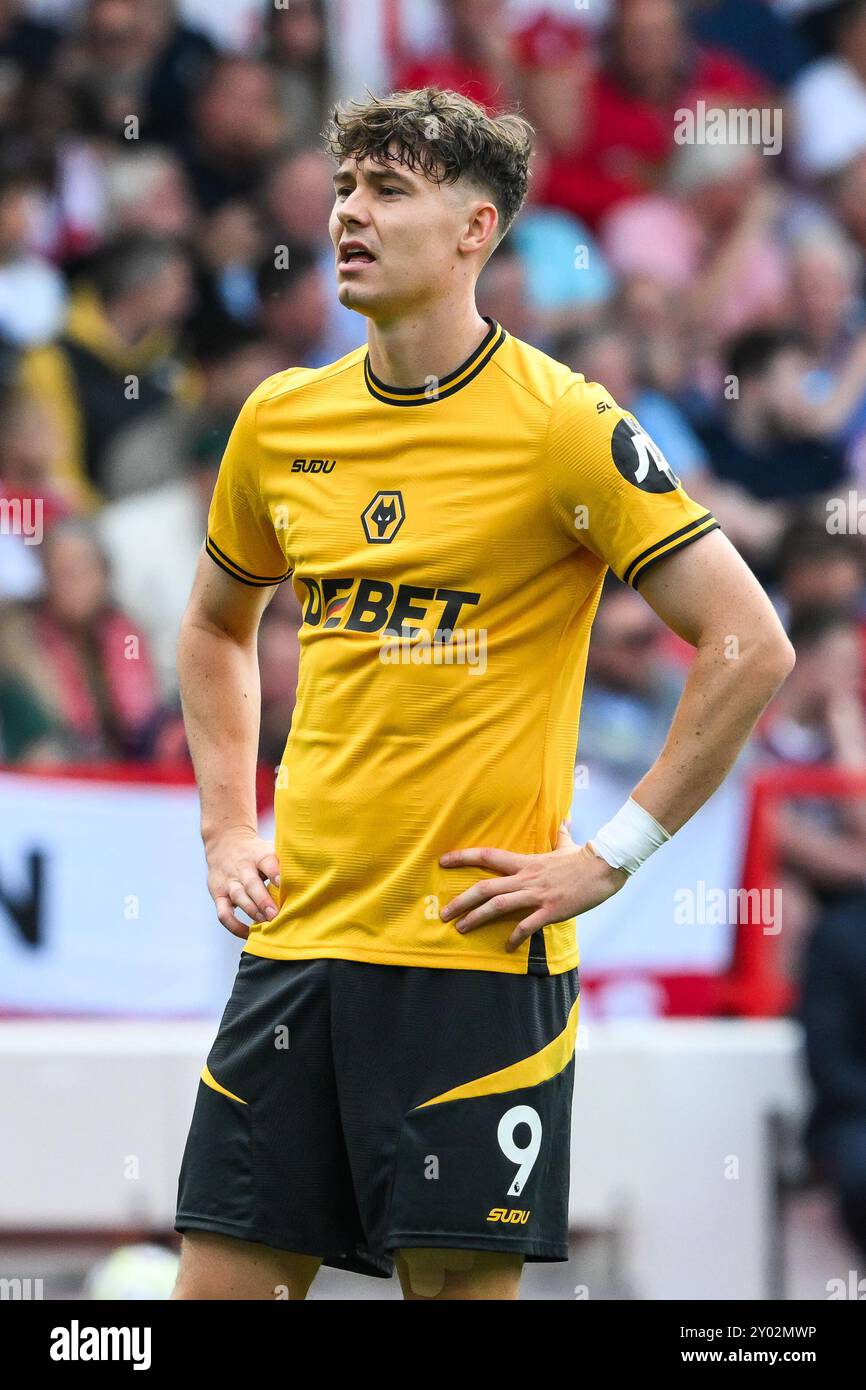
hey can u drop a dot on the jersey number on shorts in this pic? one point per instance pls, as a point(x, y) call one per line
point(525, 1157)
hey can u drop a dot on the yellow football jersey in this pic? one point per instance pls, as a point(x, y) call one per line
point(448, 546)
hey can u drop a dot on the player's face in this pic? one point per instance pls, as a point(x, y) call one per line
point(395, 235)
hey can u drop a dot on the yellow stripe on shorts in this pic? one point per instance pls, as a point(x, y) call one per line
point(209, 1080)
point(541, 1066)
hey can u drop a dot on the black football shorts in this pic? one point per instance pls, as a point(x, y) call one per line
point(350, 1110)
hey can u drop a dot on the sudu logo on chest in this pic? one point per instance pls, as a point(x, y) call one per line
point(314, 465)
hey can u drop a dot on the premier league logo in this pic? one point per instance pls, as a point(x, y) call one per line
point(639, 460)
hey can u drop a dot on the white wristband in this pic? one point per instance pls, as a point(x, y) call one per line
point(629, 839)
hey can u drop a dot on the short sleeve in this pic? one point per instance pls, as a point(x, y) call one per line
point(241, 537)
point(611, 488)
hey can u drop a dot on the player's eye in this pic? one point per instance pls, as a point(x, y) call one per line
point(343, 192)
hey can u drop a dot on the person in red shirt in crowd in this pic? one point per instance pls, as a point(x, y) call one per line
point(649, 68)
point(543, 67)
point(80, 656)
point(605, 124)
point(478, 60)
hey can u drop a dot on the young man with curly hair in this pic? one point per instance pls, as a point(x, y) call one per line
point(392, 1077)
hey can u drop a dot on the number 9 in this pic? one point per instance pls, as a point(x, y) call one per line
point(520, 1115)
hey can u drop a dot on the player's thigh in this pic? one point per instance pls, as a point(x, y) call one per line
point(219, 1267)
point(459, 1274)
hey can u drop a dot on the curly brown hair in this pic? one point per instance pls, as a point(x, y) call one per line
point(445, 136)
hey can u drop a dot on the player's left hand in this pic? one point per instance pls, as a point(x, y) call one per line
point(565, 882)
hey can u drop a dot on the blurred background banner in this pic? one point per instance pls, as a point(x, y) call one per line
point(97, 895)
point(662, 944)
point(97, 892)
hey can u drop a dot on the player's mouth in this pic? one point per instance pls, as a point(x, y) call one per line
point(354, 256)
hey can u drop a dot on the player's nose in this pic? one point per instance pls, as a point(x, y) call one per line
point(352, 212)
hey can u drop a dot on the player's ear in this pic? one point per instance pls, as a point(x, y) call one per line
point(481, 230)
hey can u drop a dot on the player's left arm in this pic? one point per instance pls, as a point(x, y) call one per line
point(706, 594)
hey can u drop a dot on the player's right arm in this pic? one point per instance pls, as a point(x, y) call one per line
point(239, 568)
point(217, 662)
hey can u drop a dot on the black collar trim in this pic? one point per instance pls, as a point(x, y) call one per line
point(446, 385)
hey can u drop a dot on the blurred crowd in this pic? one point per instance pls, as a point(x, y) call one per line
point(714, 279)
point(163, 248)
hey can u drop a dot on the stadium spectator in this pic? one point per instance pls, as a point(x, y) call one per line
point(766, 436)
point(29, 502)
point(230, 243)
point(711, 238)
point(27, 448)
point(828, 101)
point(477, 58)
point(297, 199)
point(503, 295)
point(827, 305)
point(298, 195)
point(568, 280)
point(237, 128)
point(650, 68)
point(153, 539)
point(297, 47)
point(135, 58)
point(27, 44)
point(32, 291)
point(89, 666)
point(554, 68)
point(27, 735)
point(652, 314)
point(845, 193)
point(828, 310)
point(145, 190)
point(608, 354)
point(833, 1014)
point(761, 35)
point(293, 306)
point(543, 65)
point(47, 139)
point(816, 569)
point(631, 690)
point(117, 360)
point(818, 718)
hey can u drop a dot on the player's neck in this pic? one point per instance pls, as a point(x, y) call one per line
point(408, 351)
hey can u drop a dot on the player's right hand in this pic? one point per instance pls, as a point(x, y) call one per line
point(238, 863)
